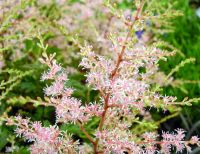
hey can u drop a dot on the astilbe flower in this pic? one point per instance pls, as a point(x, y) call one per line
point(117, 141)
point(173, 139)
point(124, 92)
point(150, 145)
point(176, 140)
point(68, 109)
point(46, 140)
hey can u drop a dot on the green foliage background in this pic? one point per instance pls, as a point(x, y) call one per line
point(186, 37)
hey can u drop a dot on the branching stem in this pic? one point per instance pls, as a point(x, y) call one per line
point(114, 73)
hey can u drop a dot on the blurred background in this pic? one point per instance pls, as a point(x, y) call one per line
point(186, 37)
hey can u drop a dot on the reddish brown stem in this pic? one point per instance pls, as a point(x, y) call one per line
point(86, 133)
point(113, 74)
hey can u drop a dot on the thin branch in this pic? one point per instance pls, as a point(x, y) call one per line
point(114, 72)
point(86, 133)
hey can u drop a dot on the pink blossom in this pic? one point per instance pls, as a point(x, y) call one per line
point(55, 89)
point(46, 140)
point(93, 110)
point(55, 68)
point(70, 110)
point(173, 139)
point(194, 140)
point(115, 141)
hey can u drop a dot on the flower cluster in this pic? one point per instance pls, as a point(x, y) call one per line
point(47, 140)
point(67, 108)
point(122, 80)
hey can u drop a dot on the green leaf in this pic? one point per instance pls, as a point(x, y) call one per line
point(4, 133)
